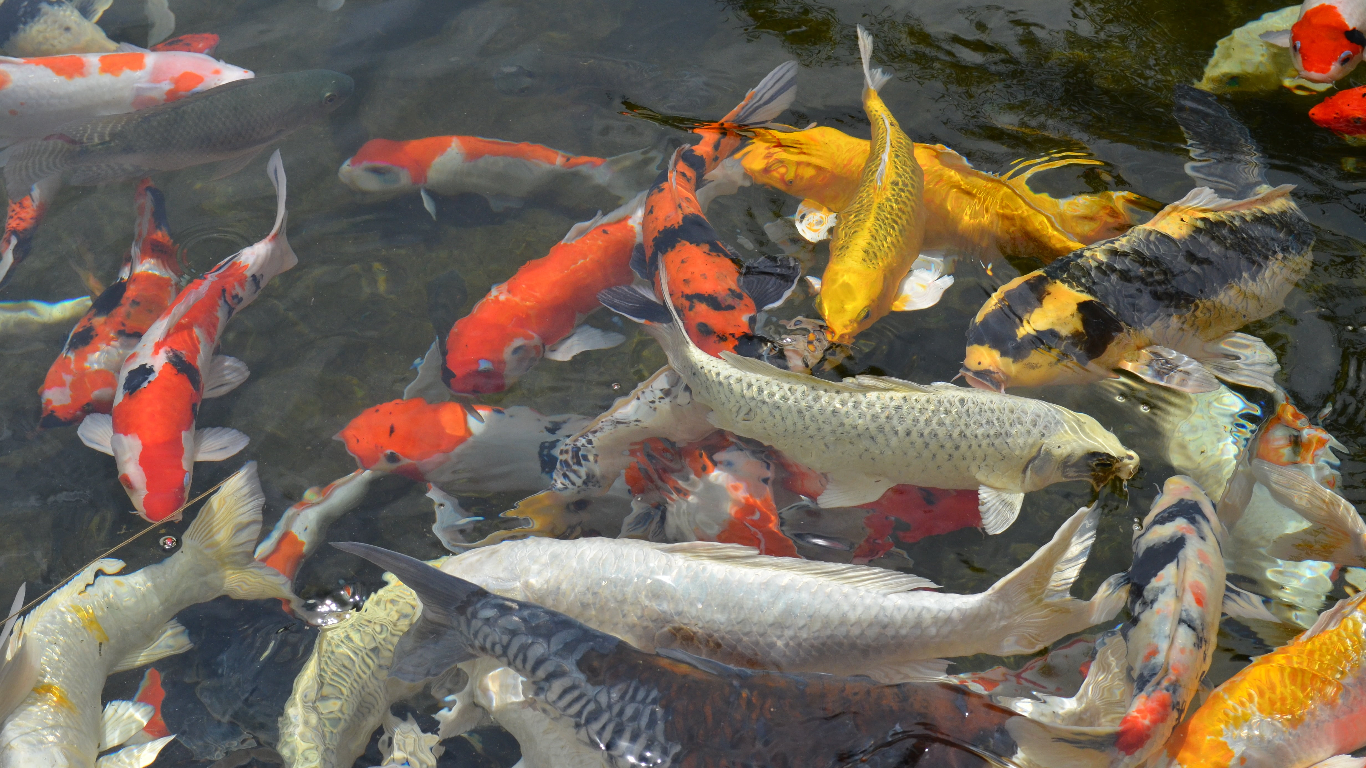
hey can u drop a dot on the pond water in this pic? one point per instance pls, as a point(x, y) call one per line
point(341, 331)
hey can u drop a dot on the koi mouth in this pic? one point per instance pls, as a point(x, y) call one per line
point(992, 381)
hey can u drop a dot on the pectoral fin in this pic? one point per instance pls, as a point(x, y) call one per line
point(139, 756)
point(999, 508)
point(924, 286)
point(1277, 37)
point(428, 203)
point(851, 490)
point(97, 431)
point(224, 375)
point(1169, 368)
point(583, 339)
point(1241, 604)
point(232, 165)
point(1242, 359)
point(171, 640)
point(122, 719)
point(218, 443)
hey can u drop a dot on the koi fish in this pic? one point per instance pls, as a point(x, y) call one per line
point(82, 379)
point(151, 430)
point(1243, 62)
point(878, 236)
point(1300, 705)
point(229, 125)
point(53, 28)
point(1343, 113)
point(1147, 671)
point(717, 298)
point(302, 527)
point(39, 95)
point(200, 42)
point(22, 216)
point(583, 679)
point(1139, 301)
point(538, 312)
point(493, 449)
point(504, 172)
point(95, 626)
point(1326, 41)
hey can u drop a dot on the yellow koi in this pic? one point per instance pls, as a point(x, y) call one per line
point(878, 236)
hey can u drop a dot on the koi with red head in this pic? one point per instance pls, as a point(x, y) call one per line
point(538, 311)
point(1327, 41)
point(150, 431)
point(1343, 113)
point(82, 379)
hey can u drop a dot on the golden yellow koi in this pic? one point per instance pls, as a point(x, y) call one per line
point(878, 236)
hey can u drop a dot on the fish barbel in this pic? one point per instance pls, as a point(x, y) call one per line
point(878, 236)
point(228, 124)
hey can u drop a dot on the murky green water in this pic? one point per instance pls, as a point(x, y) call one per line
point(339, 332)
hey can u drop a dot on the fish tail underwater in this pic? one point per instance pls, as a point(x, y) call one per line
point(709, 383)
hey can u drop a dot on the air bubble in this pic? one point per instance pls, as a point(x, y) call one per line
point(169, 543)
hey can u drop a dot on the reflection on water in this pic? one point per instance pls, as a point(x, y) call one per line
point(377, 277)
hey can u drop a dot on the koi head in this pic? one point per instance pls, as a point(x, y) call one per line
point(1182, 497)
point(850, 300)
point(381, 165)
point(1035, 331)
point(176, 75)
point(482, 363)
point(1343, 113)
point(1324, 48)
point(1084, 451)
point(405, 436)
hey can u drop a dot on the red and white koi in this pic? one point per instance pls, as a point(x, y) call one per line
point(196, 42)
point(503, 172)
point(82, 379)
point(151, 430)
point(489, 450)
point(1327, 40)
point(22, 216)
point(300, 529)
point(37, 95)
point(538, 312)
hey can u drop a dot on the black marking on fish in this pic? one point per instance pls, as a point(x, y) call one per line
point(111, 298)
point(693, 228)
point(138, 378)
point(194, 411)
point(1099, 328)
point(80, 337)
point(549, 456)
point(186, 368)
point(555, 426)
point(1151, 560)
point(998, 327)
point(227, 303)
point(641, 265)
point(712, 302)
point(1184, 509)
point(255, 283)
point(1355, 37)
point(391, 430)
point(16, 15)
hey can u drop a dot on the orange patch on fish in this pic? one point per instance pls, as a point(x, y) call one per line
point(151, 692)
point(414, 156)
point(1198, 594)
point(1322, 36)
point(117, 63)
point(1136, 729)
point(5, 80)
point(183, 85)
point(70, 67)
point(55, 695)
point(411, 429)
point(287, 555)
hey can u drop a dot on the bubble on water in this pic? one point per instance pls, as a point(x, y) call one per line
point(1120, 398)
point(1145, 407)
point(169, 543)
point(616, 386)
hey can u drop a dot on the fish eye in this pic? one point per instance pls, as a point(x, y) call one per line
point(1345, 57)
point(330, 98)
point(1296, 46)
point(392, 457)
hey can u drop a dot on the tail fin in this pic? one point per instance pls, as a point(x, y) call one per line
point(35, 161)
point(873, 79)
point(152, 694)
point(435, 643)
point(152, 243)
point(770, 98)
point(276, 170)
point(226, 530)
point(1035, 595)
point(1223, 155)
point(18, 661)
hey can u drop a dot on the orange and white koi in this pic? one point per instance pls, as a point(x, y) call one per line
point(538, 312)
point(151, 430)
point(198, 42)
point(82, 379)
point(1327, 40)
point(22, 216)
point(1343, 113)
point(503, 172)
point(38, 95)
point(716, 295)
point(492, 449)
point(300, 529)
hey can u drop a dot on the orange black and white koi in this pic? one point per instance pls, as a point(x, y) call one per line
point(716, 294)
point(538, 312)
point(82, 379)
point(503, 172)
point(1327, 40)
point(151, 430)
point(37, 95)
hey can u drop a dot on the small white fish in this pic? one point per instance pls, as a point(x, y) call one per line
point(97, 625)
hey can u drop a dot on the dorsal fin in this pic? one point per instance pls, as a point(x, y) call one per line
point(861, 576)
point(1223, 155)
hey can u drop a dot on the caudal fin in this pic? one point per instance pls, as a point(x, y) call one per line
point(1035, 595)
point(1223, 155)
point(18, 661)
point(226, 530)
point(36, 161)
point(276, 170)
point(873, 79)
point(770, 98)
point(152, 243)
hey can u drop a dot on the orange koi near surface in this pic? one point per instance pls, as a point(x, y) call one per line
point(538, 311)
point(1326, 42)
point(82, 379)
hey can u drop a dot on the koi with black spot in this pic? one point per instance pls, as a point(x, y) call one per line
point(715, 293)
point(83, 378)
point(151, 431)
point(1173, 290)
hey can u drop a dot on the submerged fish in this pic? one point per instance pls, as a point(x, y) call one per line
point(856, 620)
point(1243, 62)
point(22, 216)
point(229, 125)
point(302, 527)
point(538, 312)
point(676, 709)
point(1343, 113)
point(1327, 40)
point(21, 319)
point(870, 433)
point(82, 379)
point(878, 236)
point(95, 626)
point(1167, 293)
point(39, 95)
point(151, 429)
point(53, 27)
point(504, 172)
